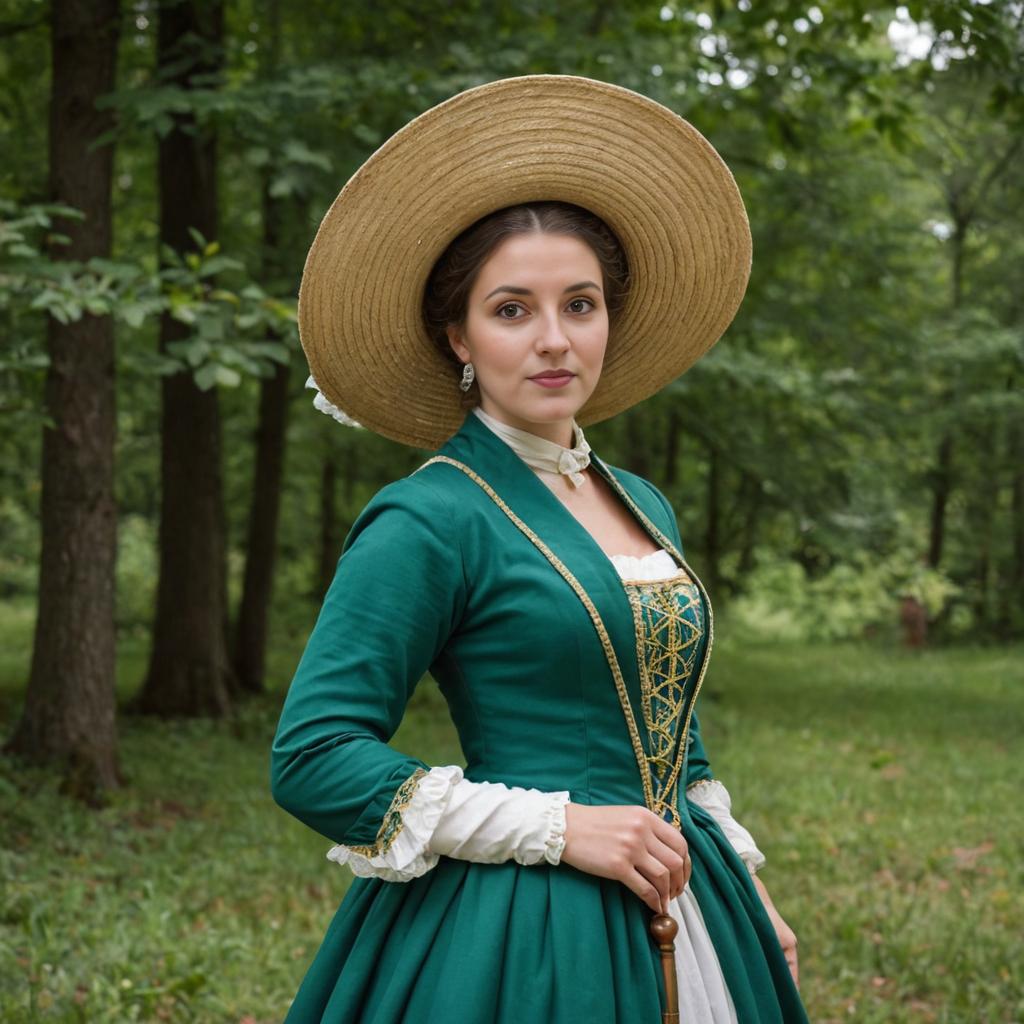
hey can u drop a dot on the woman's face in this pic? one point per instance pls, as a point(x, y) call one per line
point(537, 304)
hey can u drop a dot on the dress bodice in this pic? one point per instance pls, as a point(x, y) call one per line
point(668, 617)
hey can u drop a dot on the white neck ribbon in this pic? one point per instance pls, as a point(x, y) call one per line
point(540, 453)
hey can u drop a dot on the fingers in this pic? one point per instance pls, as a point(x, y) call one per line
point(645, 889)
point(668, 834)
point(666, 880)
point(791, 960)
point(678, 864)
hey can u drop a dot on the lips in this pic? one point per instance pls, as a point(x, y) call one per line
point(552, 375)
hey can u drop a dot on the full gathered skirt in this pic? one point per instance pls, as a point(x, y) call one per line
point(470, 943)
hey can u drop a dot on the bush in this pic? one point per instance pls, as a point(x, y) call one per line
point(852, 600)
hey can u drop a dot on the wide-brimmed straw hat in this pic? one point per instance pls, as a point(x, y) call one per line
point(647, 172)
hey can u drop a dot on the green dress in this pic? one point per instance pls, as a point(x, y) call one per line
point(545, 656)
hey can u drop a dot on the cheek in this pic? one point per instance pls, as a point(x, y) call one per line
point(597, 344)
point(500, 352)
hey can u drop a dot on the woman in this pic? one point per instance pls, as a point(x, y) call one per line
point(507, 267)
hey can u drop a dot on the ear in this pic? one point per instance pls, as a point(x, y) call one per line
point(457, 344)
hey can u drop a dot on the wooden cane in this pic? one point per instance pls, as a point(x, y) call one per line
point(664, 929)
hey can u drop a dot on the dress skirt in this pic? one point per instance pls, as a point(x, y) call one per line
point(567, 946)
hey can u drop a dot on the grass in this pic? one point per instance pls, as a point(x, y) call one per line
point(883, 786)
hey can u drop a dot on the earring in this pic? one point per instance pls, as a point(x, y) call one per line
point(468, 374)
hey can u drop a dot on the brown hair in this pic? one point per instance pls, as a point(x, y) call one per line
point(446, 297)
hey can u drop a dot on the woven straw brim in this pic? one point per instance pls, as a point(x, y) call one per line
point(653, 178)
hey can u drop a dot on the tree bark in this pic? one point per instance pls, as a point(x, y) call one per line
point(672, 439)
point(69, 718)
point(189, 669)
point(329, 554)
point(637, 459)
point(942, 484)
point(264, 514)
point(713, 536)
point(1012, 594)
point(753, 495)
point(942, 475)
point(250, 639)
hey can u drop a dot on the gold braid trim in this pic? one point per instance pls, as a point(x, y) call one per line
point(700, 782)
point(392, 824)
point(653, 804)
point(666, 643)
point(677, 555)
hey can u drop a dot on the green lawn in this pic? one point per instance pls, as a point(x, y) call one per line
point(883, 787)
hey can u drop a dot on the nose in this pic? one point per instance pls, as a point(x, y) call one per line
point(552, 337)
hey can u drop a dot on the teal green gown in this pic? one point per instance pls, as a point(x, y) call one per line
point(472, 569)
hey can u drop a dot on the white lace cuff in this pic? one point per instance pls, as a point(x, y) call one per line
point(712, 795)
point(410, 821)
point(489, 822)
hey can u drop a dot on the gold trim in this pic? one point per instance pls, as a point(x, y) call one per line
point(392, 823)
point(679, 577)
point(663, 727)
point(671, 548)
point(609, 649)
point(700, 782)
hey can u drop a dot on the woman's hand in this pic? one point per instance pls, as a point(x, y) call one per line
point(785, 934)
point(631, 844)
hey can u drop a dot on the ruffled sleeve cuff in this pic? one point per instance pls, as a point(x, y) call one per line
point(402, 851)
point(712, 795)
point(489, 822)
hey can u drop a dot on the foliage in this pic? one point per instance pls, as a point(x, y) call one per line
point(854, 599)
point(191, 896)
point(874, 151)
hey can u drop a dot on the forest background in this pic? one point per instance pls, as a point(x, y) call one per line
point(847, 466)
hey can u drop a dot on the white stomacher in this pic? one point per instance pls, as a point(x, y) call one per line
point(656, 566)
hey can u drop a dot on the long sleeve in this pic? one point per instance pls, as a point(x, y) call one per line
point(398, 593)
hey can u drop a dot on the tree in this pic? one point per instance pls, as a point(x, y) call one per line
point(69, 716)
point(189, 669)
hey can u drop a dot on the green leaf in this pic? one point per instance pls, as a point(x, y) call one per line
point(212, 374)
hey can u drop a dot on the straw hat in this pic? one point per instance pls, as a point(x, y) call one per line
point(648, 173)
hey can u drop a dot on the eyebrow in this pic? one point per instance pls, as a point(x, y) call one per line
point(526, 291)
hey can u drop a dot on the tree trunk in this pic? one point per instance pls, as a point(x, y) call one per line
point(189, 669)
point(942, 484)
point(637, 460)
point(264, 513)
point(328, 526)
point(250, 640)
point(1012, 593)
point(713, 536)
point(69, 718)
point(753, 495)
point(672, 439)
point(942, 475)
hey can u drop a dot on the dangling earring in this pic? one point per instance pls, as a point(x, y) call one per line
point(468, 374)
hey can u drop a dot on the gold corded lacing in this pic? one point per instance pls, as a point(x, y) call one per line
point(664, 650)
point(658, 806)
